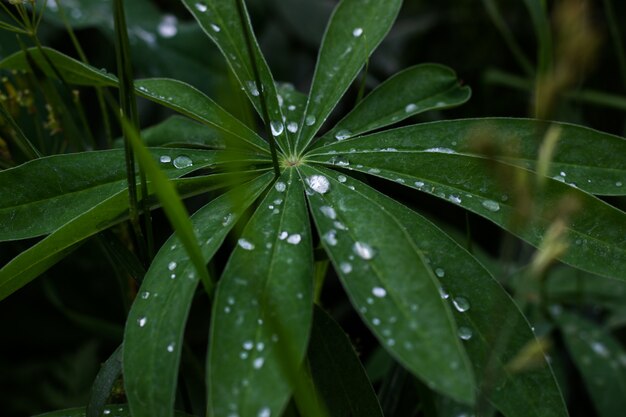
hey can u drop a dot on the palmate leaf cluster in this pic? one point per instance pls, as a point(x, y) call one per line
point(428, 301)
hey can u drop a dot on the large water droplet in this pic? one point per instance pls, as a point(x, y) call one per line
point(318, 183)
point(283, 235)
point(183, 161)
point(294, 239)
point(379, 292)
point(165, 159)
point(292, 127)
point(277, 128)
point(329, 212)
point(363, 250)
point(280, 186)
point(461, 304)
point(168, 26)
point(357, 32)
point(491, 205)
point(343, 134)
point(465, 333)
point(245, 244)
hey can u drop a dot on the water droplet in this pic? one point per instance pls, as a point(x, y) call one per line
point(329, 212)
point(618, 184)
point(277, 128)
point(292, 127)
point(252, 88)
point(248, 345)
point(171, 266)
point(264, 412)
point(440, 272)
point(342, 178)
point(376, 321)
point(331, 237)
point(600, 349)
point(168, 26)
point(340, 225)
point(280, 186)
point(310, 120)
point(443, 293)
point(461, 304)
point(183, 161)
point(106, 411)
point(244, 355)
point(345, 267)
point(318, 183)
point(283, 235)
point(201, 7)
point(227, 219)
point(170, 347)
point(379, 292)
point(465, 333)
point(260, 346)
point(389, 150)
point(258, 363)
point(245, 244)
point(357, 32)
point(215, 27)
point(419, 184)
point(165, 159)
point(455, 199)
point(410, 108)
point(173, 276)
point(294, 239)
point(491, 205)
point(141, 321)
point(343, 134)
point(439, 150)
point(291, 107)
point(363, 250)
point(145, 295)
point(340, 160)
point(391, 342)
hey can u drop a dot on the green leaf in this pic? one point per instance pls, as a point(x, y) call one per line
point(594, 229)
point(388, 281)
point(412, 91)
point(113, 410)
point(40, 196)
point(176, 95)
point(352, 34)
point(154, 330)
point(263, 308)
point(337, 372)
point(179, 131)
point(601, 360)
point(569, 285)
point(221, 21)
point(109, 372)
point(41, 256)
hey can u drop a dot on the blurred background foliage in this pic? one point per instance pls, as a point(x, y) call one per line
point(57, 330)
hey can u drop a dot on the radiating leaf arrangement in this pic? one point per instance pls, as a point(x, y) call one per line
point(437, 311)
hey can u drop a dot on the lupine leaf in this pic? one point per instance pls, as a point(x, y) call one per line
point(221, 21)
point(160, 312)
point(112, 410)
point(263, 308)
point(595, 230)
point(389, 283)
point(179, 131)
point(353, 32)
point(412, 91)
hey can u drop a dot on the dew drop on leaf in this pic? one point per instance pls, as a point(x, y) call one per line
point(294, 239)
point(292, 127)
point(170, 347)
point(277, 128)
point(310, 120)
point(318, 183)
point(165, 159)
point(141, 321)
point(171, 266)
point(345, 267)
point(168, 26)
point(461, 304)
point(357, 32)
point(245, 244)
point(258, 363)
point(215, 27)
point(280, 186)
point(182, 161)
point(491, 205)
point(465, 333)
point(379, 292)
point(363, 250)
point(331, 237)
point(329, 212)
point(440, 272)
point(264, 412)
point(252, 88)
point(201, 7)
point(283, 235)
point(455, 199)
point(342, 178)
point(410, 108)
point(343, 134)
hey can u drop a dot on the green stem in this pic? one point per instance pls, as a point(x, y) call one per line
point(257, 78)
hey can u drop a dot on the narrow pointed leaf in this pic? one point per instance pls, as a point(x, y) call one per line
point(600, 358)
point(101, 388)
point(353, 33)
point(595, 230)
point(337, 372)
point(38, 258)
point(179, 131)
point(154, 330)
point(114, 410)
point(476, 299)
point(589, 159)
point(263, 308)
point(221, 21)
point(40, 196)
point(389, 283)
point(412, 91)
point(174, 94)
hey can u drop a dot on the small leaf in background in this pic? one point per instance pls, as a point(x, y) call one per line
point(338, 375)
point(263, 307)
point(111, 410)
point(601, 360)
